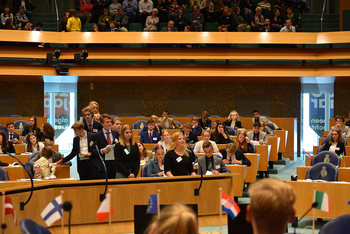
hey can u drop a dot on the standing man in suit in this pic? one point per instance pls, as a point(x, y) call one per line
point(90, 125)
point(232, 156)
point(167, 123)
point(104, 138)
point(257, 135)
point(150, 136)
point(258, 118)
point(211, 163)
point(190, 136)
point(82, 147)
point(10, 133)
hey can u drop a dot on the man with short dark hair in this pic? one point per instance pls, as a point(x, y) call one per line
point(257, 135)
point(167, 123)
point(258, 118)
point(170, 27)
point(10, 133)
point(150, 136)
point(339, 124)
point(289, 27)
point(195, 126)
point(89, 123)
point(190, 137)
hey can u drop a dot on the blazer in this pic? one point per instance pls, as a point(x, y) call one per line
point(127, 163)
point(341, 147)
point(192, 137)
point(57, 156)
point(96, 126)
point(153, 168)
point(268, 122)
point(145, 137)
point(15, 135)
point(262, 136)
point(207, 123)
point(239, 156)
point(76, 150)
point(45, 170)
point(219, 165)
point(198, 148)
point(166, 29)
point(228, 140)
point(26, 130)
point(145, 129)
point(10, 148)
point(102, 143)
point(197, 130)
point(172, 123)
point(344, 131)
point(238, 124)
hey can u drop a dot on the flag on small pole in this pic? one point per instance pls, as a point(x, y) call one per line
point(53, 211)
point(307, 155)
point(341, 156)
point(105, 209)
point(323, 201)
point(152, 207)
point(219, 154)
point(62, 219)
point(110, 210)
point(8, 209)
point(229, 206)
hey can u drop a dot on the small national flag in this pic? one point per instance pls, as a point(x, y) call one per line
point(229, 206)
point(195, 166)
point(53, 211)
point(307, 155)
point(218, 153)
point(152, 207)
point(9, 209)
point(341, 156)
point(323, 201)
point(105, 207)
point(36, 168)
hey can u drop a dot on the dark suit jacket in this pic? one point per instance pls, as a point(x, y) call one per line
point(15, 135)
point(339, 145)
point(166, 29)
point(192, 137)
point(145, 129)
point(347, 123)
point(127, 163)
point(76, 150)
point(207, 123)
point(96, 126)
point(145, 137)
point(26, 130)
point(197, 130)
point(10, 148)
point(218, 165)
point(238, 124)
point(239, 156)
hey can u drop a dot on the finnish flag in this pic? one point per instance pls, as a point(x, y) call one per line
point(53, 211)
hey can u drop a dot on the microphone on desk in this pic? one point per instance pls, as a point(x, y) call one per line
point(196, 191)
point(102, 196)
point(314, 205)
point(67, 206)
point(22, 204)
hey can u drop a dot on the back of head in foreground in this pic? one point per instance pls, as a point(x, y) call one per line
point(175, 219)
point(271, 206)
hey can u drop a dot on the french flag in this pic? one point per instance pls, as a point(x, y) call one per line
point(229, 206)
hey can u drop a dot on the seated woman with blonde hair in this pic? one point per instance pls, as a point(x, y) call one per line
point(176, 218)
point(233, 120)
point(42, 166)
point(265, 128)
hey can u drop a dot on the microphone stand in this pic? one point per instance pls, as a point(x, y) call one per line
point(315, 204)
point(196, 190)
point(67, 206)
point(22, 204)
point(102, 196)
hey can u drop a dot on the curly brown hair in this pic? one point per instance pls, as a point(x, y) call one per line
point(49, 131)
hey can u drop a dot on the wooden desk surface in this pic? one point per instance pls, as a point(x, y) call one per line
point(20, 149)
point(253, 169)
point(274, 141)
point(16, 173)
point(344, 173)
point(238, 182)
point(264, 151)
point(8, 159)
point(336, 192)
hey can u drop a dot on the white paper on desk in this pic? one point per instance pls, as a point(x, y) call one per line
point(52, 177)
point(28, 179)
point(110, 155)
point(208, 173)
point(255, 142)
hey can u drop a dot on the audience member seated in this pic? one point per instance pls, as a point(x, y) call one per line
point(170, 27)
point(47, 132)
point(5, 146)
point(156, 165)
point(156, 126)
point(150, 136)
point(95, 107)
point(210, 163)
point(127, 155)
point(166, 140)
point(233, 120)
point(162, 8)
point(218, 9)
point(29, 26)
point(99, 6)
point(248, 10)
point(196, 19)
point(9, 24)
point(38, 27)
point(178, 158)
point(176, 218)
point(145, 155)
point(240, 23)
point(42, 167)
point(182, 19)
point(190, 137)
point(33, 144)
point(130, 8)
point(173, 13)
point(97, 117)
point(73, 23)
point(20, 19)
point(26, 4)
point(117, 124)
point(301, 5)
point(113, 8)
point(271, 206)
point(32, 127)
point(336, 143)
point(215, 123)
point(86, 11)
point(258, 118)
point(290, 15)
point(63, 24)
point(265, 129)
point(6, 15)
point(95, 28)
point(257, 135)
point(339, 125)
point(152, 21)
point(221, 136)
point(227, 24)
point(265, 8)
point(235, 3)
point(243, 143)
point(195, 127)
point(165, 122)
point(280, 5)
point(232, 156)
point(204, 122)
point(207, 9)
point(145, 10)
point(122, 20)
point(199, 145)
point(276, 21)
point(289, 27)
point(10, 134)
point(259, 21)
point(103, 21)
point(57, 156)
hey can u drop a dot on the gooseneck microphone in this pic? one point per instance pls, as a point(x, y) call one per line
point(196, 191)
point(314, 205)
point(102, 196)
point(67, 206)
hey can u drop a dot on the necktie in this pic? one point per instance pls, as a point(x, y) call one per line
point(11, 137)
point(108, 139)
point(256, 137)
point(90, 127)
point(150, 137)
point(210, 165)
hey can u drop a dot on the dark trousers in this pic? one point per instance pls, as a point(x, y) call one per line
point(111, 170)
point(87, 170)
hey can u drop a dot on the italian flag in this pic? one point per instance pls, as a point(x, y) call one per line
point(323, 201)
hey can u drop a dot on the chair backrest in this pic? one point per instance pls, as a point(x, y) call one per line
point(320, 148)
point(28, 226)
point(15, 116)
point(144, 170)
point(29, 167)
point(136, 27)
point(140, 116)
point(139, 124)
point(214, 116)
point(113, 116)
point(211, 27)
point(17, 123)
point(322, 171)
point(325, 140)
point(253, 147)
point(171, 116)
point(340, 225)
point(3, 174)
point(231, 131)
point(325, 156)
point(190, 116)
point(33, 155)
point(178, 123)
point(162, 25)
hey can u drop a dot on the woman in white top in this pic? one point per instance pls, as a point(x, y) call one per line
point(199, 145)
point(33, 144)
point(152, 21)
point(7, 14)
point(165, 142)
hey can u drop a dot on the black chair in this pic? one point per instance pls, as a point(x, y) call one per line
point(29, 167)
point(138, 124)
point(231, 131)
point(340, 225)
point(323, 171)
point(325, 156)
point(3, 174)
point(28, 226)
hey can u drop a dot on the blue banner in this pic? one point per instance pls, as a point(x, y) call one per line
point(317, 112)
